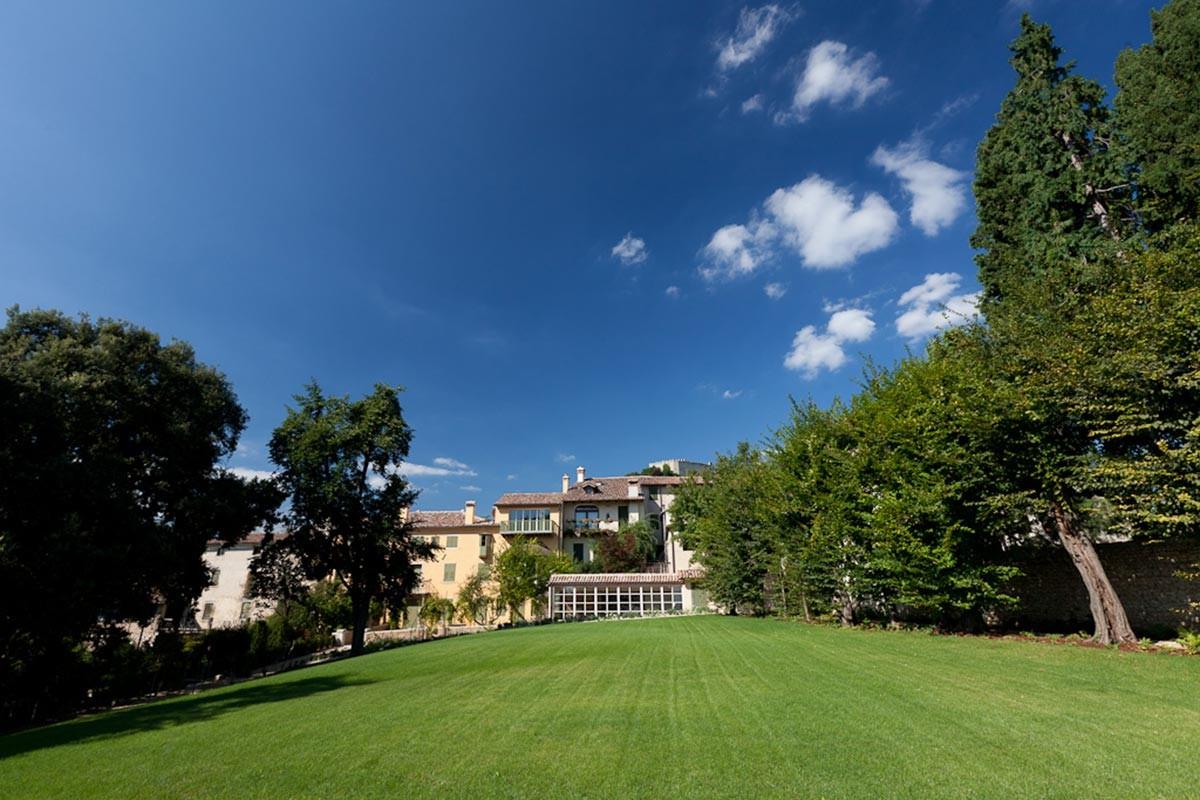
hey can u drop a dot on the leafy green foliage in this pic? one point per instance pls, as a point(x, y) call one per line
point(522, 573)
point(1158, 111)
point(475, 601)
point(629, 549)
point(728, 521)
point(1190, 641)
point(1125, 363)
point(110, 488)
point(436, 612)
point(657, 471)
point(339, 463)
point(1047, 187)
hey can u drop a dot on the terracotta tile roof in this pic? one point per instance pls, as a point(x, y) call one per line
point(444, 519)
point(530, 499)
point(602, 489)
point(593, 489)
point(254, 539)
point(609, 578)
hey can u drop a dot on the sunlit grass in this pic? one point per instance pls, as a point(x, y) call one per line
point(689, 707)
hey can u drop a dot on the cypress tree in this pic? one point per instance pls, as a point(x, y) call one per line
point(1158, 111)
point(1046, 184)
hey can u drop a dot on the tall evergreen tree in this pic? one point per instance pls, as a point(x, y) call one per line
point(1158, 111)
point(1047, 187)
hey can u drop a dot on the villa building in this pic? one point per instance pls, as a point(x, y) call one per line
point(226, 602)
point(572, 520)
point(568, 521)
point(468, 545)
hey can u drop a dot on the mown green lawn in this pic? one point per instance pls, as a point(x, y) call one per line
point(691, 707)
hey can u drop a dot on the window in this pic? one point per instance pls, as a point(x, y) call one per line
point(529, 520)
point(419, 569)
point(208, 611)
point(622, 515)
point(485, 545)
point(580, 602)
point(578, 551)
point(246, 607)
point(485, 571)
point(587, 517)
point(216, 576)
point(436, 540)
point(447, 572)
point(451, 541)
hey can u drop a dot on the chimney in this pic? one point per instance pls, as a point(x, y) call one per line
point(469, 513)
point(635, 490)
point(566, 483)
point(404, 514)
point(579, 475)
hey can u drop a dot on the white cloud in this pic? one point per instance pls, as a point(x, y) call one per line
point(851, 325)
point(247, 474)
point(832, 74)
point(470, 487)
point(738, 249)
point(938, 192)
point(817, 219)
point(442, 467)
point(510, 476)
point(933, 305)
point(751, 104)
point(449, 463)
point(672, 291)
point(775, 290)
point(564, 458)
point(730, 394)
point(812, 351)
point(630, 250)
point(820, 221)
point(756, 28)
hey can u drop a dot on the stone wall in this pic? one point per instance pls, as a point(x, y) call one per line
point(1149, 578)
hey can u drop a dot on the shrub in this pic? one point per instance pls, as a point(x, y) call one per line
point(1190, 641)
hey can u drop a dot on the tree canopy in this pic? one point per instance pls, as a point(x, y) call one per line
point(339, 463)
point(1070, 409)
point(111, 485)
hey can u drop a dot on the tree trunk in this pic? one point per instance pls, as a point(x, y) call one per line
point(361, 608)
point(847, 611)
point(1108, 615)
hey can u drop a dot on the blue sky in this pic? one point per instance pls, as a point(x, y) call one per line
point(577, 233)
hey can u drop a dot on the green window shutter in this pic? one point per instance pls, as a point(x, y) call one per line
point(447, 572)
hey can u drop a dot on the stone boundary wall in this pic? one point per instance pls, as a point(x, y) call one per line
point(1146, 575)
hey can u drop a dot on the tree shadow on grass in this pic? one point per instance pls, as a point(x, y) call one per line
point(169, 713)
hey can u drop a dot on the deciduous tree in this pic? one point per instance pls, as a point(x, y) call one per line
point(111, 485)
point(339, 463)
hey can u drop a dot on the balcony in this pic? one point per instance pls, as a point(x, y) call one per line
point(531, 526)
point(581, 527)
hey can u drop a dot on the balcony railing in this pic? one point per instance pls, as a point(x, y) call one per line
point(581, 527)
point(528, 526)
